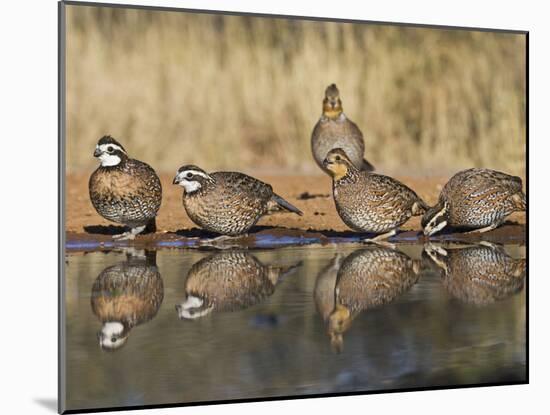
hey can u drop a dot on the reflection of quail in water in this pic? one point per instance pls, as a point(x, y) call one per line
point(335, 130)
point(126, 295)
point(369, 202)
point(477, 199)
point(368, 278)
point(325, 284)
point(480, 274)
point(124, 190)
point(228, 281)
point(229, 203)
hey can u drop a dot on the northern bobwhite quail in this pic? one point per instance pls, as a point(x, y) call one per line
point(335, 130)
point(228, 203)
point(124, 190)
point(369, 202)
point(478, 199)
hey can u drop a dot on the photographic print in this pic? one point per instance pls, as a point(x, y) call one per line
point(262, 207)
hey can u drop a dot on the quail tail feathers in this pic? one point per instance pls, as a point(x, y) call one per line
point(277, 203)
point(520, 201)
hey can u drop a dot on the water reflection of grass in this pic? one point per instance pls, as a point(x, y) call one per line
point(242, 92)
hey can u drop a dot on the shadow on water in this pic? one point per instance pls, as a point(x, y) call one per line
point(303, 320)
point(105, 229)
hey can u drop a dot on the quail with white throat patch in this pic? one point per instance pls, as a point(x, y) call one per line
point(475, 199)
point(124, 190)
point(335, 130)
point(228, 203)
point(369, 202)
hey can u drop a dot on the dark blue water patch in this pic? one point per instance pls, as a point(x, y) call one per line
point(180, 243)
point(77, 245)
point(266, 241)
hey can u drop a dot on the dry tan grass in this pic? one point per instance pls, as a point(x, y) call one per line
point(244, 93)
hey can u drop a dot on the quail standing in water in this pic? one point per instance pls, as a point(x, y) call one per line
point(228, 281)
point(479, 274)
point(228, 203)
point(335, 130)
point(369, 202)
point(368, 278)
point(477, 199)
point(124, 190)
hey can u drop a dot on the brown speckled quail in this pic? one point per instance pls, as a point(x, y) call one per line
point(478, 199)
point(335, 130)
point(228, 281)
point(124, 190)
point(368, 278)
point(228, 203)
point(369, 202)
point(480, 274)
point(126, 295)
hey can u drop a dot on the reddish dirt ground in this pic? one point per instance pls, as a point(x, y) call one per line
point(311, 194)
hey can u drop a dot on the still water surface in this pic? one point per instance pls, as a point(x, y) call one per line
point(175, 326)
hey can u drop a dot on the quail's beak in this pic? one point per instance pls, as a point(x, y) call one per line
point(326, 162)
point(176, 180)
point(97, 152)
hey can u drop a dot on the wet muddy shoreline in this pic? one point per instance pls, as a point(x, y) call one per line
point(270, 238)
point(321, 225)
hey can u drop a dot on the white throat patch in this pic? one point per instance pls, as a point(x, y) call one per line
point(112, 328)
point(190, 187)
point(109, 159)
point(110, 333)
point(106, 158)
point(187, 308)
point(188, 184)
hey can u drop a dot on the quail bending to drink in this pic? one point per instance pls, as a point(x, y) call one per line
point(477, 199)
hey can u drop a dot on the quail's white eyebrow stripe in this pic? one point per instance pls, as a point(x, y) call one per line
point(438, 214)
point(194, 172)
point(103, 147)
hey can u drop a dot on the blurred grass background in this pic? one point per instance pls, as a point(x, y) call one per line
point(243, 93)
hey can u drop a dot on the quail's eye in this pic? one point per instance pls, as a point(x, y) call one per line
point(189, 175)
point(110, 149)
point(337, 158)
point(113, 339)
